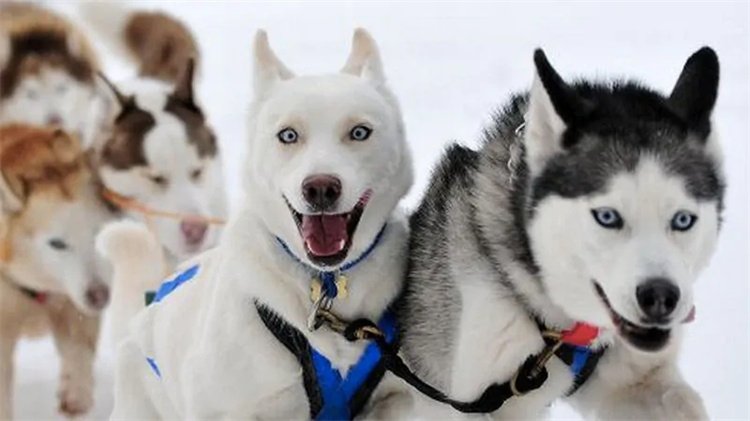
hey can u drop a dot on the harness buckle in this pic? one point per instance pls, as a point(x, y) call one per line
point(369, 332)
point(534, 371)
point(323, 303)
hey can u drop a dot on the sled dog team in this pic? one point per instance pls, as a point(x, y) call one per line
point(554, 261)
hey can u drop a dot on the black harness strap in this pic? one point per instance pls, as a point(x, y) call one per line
point(529, 377)
point(298, 345)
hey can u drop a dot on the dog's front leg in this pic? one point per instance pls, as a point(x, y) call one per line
point(658, 394)
point(75, 338)
point(392, 400)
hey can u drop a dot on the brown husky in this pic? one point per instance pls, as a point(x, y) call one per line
point(50, 212)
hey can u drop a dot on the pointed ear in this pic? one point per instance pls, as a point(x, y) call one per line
point(126, 103)
point(268, 68)
point(694, 95)
point(183, 90)
point(553, 106)
point(364, 58)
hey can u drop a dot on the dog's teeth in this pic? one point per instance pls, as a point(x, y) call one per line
point(342, 244)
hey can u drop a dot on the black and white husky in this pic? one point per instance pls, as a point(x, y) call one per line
point(590, 209)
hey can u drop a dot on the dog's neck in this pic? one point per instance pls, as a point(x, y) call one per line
point(284, 284)
point(508, 189)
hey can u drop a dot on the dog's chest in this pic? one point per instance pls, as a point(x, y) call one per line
point(494, 337)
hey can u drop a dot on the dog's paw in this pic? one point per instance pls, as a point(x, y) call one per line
point(683, 403)
point(673, 402)
point(127, 241)
point(75, 396)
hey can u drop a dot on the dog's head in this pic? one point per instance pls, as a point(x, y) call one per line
point(328, 161)
point(51, 212)
point(625, 196)
point(45, 80)
point(160, 152)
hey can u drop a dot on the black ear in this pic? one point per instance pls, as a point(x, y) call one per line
point(126, 102)
point(568, 105)
point(694, 95)
point(183, 91)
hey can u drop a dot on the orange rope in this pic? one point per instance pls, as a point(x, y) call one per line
point(127, 203)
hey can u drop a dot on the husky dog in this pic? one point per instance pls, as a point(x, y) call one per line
point(327, 165)
point(595, 203)
point(49, 277)
point(158, 152)
point(47, 71)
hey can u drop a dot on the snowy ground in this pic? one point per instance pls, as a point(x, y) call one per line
point(451, 64)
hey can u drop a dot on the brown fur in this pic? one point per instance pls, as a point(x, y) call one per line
point(161, 44)
point(124, 147)
point(34, 158)
point(39, 38)
point(40, 162)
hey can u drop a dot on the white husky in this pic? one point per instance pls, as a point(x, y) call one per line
point(327, 165)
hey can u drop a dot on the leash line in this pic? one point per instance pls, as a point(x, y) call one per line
point(530, 376)
point(127, 203)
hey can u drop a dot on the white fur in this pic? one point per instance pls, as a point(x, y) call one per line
point(126, 244)
point(71, 271)
point(52, 93)
point(170, 155)
point(619, 260)
point(217, 358)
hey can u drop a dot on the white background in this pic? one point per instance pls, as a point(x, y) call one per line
point(451, 65)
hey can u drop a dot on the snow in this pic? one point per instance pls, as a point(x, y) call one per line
point(451, 64)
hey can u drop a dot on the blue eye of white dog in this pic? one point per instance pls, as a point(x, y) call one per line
point(58, 244)
point(608, 218)
point(288, 135)
point(683, 221)
point(360, 133)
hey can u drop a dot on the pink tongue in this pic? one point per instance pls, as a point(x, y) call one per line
point(690, 317)
point(324, 235)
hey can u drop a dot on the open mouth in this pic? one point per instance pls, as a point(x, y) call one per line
point(328, 237)
point(643, 338)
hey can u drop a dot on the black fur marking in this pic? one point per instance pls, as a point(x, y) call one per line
point(694, 95)
point(46, 46)
point(568, 105)
point(626, 123)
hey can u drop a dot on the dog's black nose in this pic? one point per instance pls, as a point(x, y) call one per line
point(321, 191)
point(657, 298)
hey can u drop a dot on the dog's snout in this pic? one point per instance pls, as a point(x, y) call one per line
point(657, 298)
point(321, 191)
point(97, 295)
point(194, 230)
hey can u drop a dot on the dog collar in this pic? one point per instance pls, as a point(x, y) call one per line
point(328, 285)
point(332, 284)
point(581, 334)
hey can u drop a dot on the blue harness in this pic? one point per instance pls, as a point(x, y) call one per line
point(332, 396)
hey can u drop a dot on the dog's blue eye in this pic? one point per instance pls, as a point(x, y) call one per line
point(360, 133)
point(608, 218)
point(683, 221)
point(58, 244)
point(288, 136)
